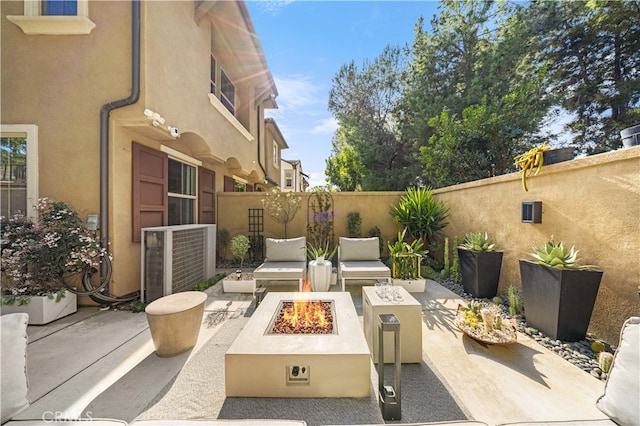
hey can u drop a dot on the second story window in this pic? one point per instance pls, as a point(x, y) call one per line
point(288, 179)
point(227, 92)
point(276, 159)
point(213, 74)
point(60, 7)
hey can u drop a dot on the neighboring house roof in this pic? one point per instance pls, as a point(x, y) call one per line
point(271, 123)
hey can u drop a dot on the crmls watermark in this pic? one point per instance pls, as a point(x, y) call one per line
point(59, 416)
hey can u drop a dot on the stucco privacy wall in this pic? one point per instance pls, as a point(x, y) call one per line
point(592, 203)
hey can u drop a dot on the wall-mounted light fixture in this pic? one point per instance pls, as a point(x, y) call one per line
point(532, 212)
point(158, 121)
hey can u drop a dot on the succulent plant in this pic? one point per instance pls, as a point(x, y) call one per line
point(597, 346)
point(558, 256)
point(604, 361)
point(477, 241)
point(530, 160)
point(514, 300)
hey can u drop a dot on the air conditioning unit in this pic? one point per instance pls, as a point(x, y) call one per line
point(174, 258)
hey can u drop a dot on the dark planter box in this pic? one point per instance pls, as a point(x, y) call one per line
point(557, 155)
point(559, 302)
point(480, 272)
point(630, 136)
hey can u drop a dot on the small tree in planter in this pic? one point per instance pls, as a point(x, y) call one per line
point(239, 247)
point(480, 264)
point(558, 292)
point(238, 282)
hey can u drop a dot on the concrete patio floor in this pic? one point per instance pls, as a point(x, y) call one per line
point(72, 361)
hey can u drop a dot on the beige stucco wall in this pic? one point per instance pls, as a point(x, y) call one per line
point(592, 203)
point(59, 83)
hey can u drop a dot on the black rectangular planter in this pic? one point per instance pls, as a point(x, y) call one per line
point(480, 272)
point(559, 302)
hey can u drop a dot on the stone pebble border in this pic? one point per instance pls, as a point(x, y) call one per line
point(577, 353)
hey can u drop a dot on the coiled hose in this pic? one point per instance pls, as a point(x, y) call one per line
point(100, 293)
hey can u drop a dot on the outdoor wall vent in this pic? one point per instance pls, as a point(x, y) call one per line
point(532, 212)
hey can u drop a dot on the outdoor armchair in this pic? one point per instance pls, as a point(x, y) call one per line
point(285, 260)
point(359, 259)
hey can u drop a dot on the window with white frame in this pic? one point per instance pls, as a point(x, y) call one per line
point(71, 17)
point(18, 169)
point(227, 92)
point(212, 77)
point(182, 193)
point(60, 7)
point(276, 156)
point(288, 178)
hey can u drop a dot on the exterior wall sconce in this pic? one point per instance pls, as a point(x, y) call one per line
point(532, 212)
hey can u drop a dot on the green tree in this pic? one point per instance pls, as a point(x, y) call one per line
point(364, 101)
point(592, 49)
point(344, 168)
point(473, 99)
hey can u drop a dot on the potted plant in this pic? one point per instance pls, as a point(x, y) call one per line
point(480, 264)
point(239, 282)
point(320, 269)
point(40, 257)
point(405, 263)
point(485, 323)
point(537, 156)
point(559, 293)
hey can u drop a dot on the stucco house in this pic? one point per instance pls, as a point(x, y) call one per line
point(292, 178)
point(139, 112)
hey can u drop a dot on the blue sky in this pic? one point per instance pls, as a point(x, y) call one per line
point(306, 42)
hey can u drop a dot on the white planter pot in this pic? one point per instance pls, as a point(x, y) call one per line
point(230, 284)
point(412, 286)
point(43, 310)
point(320, 275)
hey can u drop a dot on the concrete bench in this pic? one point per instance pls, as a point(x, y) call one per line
point(174, 322)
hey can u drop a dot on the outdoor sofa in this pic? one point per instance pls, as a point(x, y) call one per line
point(359, 259)
point(620, 402)
point(285, 260)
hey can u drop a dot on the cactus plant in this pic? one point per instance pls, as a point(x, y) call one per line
point(455, 273)
point(605, 359)
point(597, 346)
point(514, 300)
point(445, 271)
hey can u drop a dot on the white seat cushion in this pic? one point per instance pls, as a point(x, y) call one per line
point(280, 270)
point(364, 269)
point(621, 399)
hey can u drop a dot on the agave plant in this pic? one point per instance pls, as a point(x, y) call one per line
point(558, 256)
point(421, 213)
point(477, 241)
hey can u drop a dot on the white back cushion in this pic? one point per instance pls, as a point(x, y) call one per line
point(359, 248)
point(621, 399)
point(13, 365)
point(286, 250)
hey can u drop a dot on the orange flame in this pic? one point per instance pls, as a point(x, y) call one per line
point(306, 313)
point(306, 285)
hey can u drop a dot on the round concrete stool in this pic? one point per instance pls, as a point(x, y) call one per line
point(174, 322)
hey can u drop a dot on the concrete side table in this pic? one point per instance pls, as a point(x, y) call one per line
point(409, 312)
point(174, 322)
